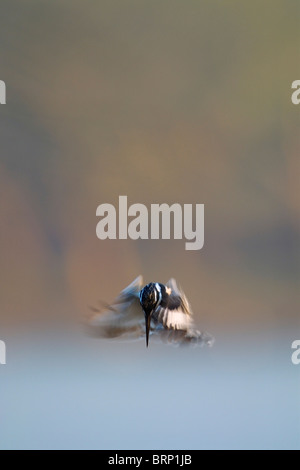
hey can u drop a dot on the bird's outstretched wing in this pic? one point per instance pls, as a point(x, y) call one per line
point(123, 318)
point(174, 319)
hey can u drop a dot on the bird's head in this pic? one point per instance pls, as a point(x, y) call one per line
point(150, 298)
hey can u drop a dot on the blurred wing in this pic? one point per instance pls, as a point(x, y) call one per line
point(130, 292)
point(177, 296)
point(124, 317)
point(174, 311)
point(174, 319)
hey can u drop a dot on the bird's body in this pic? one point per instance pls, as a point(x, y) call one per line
point(160, 310)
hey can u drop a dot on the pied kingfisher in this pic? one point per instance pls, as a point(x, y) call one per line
point(167, 314)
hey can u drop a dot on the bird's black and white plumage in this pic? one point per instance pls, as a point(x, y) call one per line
point(159, 310)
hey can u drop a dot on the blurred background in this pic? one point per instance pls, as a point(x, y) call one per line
point(172, 101)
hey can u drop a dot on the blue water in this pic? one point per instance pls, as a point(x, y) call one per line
point(62, 391)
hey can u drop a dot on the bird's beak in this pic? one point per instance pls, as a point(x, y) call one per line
point(147, 320)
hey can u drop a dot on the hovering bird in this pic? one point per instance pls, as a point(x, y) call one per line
point(167, 314)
